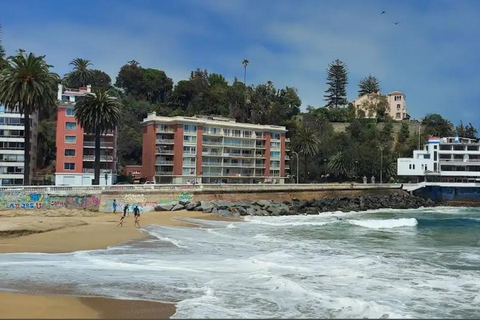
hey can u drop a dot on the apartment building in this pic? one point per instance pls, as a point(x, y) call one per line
point(396, 109)
point(12, 146)
point(448, 159)
point(76, 147)
point(212, 150)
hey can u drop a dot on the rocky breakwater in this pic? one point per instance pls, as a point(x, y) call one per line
point(296, 207)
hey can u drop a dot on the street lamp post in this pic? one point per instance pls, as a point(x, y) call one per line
point(381, 163)
point(356, 169)
point(325, 161)
point(296, 154)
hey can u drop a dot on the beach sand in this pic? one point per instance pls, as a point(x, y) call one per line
point(62, 230)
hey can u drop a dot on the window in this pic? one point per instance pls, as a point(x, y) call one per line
point(398, 106)
point(70, 112)
point(69, 166)
point(398, 98)
point(70, 125)
point(275, 136)
point(398, 115)
point(69, 152)
point(413, 166)
point(70, 139)
point(189, 128)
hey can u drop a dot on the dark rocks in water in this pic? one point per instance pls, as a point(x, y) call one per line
point(296, 206)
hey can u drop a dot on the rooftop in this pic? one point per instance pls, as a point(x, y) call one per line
point(211, 121)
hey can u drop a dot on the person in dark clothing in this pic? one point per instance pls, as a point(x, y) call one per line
point(114, 206)
point(122, 218)
point(136, 214)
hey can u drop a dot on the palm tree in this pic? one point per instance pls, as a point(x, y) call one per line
point(26, 83)
point(245, 63)
point(80, 74)
point(98, 112)
point(340, 165)
point(306, 142)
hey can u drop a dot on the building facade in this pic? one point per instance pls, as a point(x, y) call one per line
point(396, 105)
point(135, 171)
point(76, 148)
point(449, 159)
point(212, 150)
point(12, 146)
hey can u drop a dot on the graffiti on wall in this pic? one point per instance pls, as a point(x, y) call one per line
point(144, 203)
point(31, 200)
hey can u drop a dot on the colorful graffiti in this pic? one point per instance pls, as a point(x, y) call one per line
point(35, 201)
point(144, 202)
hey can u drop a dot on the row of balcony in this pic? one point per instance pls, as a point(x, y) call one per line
point(213, 143)
point(216, 174)
point(89, 157)
point(220, 133)
point(218, 164)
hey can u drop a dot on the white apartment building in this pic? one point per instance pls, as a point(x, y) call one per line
point(449, 159)
point(12, 146)
point(366, 105)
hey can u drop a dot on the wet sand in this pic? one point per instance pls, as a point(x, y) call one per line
point(54, 231)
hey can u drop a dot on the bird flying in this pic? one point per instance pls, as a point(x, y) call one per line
point(383, 12)
point(396, 23)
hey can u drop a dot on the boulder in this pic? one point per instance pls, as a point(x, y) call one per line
point(164, 207)
point(226, 213)
point(178, 207)
point(190, 206)
point(251, 211)
point(263, 203)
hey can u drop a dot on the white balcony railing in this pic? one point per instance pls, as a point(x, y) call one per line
point(91, 144)
point(164, 163)
point(164, 173)
point(92, 158)
point(165, 141)
point(164, 151)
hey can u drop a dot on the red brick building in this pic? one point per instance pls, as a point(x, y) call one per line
point(212, 150)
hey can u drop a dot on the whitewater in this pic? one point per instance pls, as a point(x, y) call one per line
point(422, 263)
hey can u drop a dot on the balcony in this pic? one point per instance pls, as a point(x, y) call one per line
point(164, 163)
point(239, 155)
point(160, 151)
point(91, 144)
point(164, 173)
point(260, 156)
point(245, 146)
point(260, 146)
point(189, 153)
point(164, 141)
point(211, 133)
point(238, 164)
point(212, 143)
point(165, 130)
point(216, 154)
point(211, 164)
point(89, 157)
point(88, 170)
point(287, 140)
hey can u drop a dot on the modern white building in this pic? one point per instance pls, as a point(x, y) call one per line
point(449, 159)
point(12, 146)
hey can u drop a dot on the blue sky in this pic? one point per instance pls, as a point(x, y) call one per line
point(431, 55)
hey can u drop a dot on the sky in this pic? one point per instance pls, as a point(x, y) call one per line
point(432, 55)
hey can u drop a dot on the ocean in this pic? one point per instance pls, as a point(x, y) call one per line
point(422, 263)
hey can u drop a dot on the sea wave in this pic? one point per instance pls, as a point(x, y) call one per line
point(385, 224)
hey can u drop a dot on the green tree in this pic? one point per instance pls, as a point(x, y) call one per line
point(3, 62)
point(436, 125)
point(337, 80)
point(46, 148)
point(306, 143)
point(130, 78)
point(26, 83)
point(156, 84)
point(100, 80)
point(470, 132)
point(245, 63)
point(403, 134)
point(368, 85)
point(217, 80)
point(340, 164)
point(98, 112)
point(81, 73)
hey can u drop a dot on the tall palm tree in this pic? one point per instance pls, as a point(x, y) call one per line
point(245, 63)
point(98, 112)
point(26, 83)
point(80, 74)
point(306, 142)
point(340, 165)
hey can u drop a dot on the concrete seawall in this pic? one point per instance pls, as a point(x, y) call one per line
point(147, 198)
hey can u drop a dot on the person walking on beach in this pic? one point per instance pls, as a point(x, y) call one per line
point(122, 218)
point(136, 214)
point(114, 206)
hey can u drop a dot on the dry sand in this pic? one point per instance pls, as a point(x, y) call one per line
point(62, 230)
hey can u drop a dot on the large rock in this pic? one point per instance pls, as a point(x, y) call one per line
point(190, 206)
point(251, 211)
point(223, 205)
point(178, 207)
point(207, 207)
point(164, 207)
point(263, 203)
point(225, 213)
